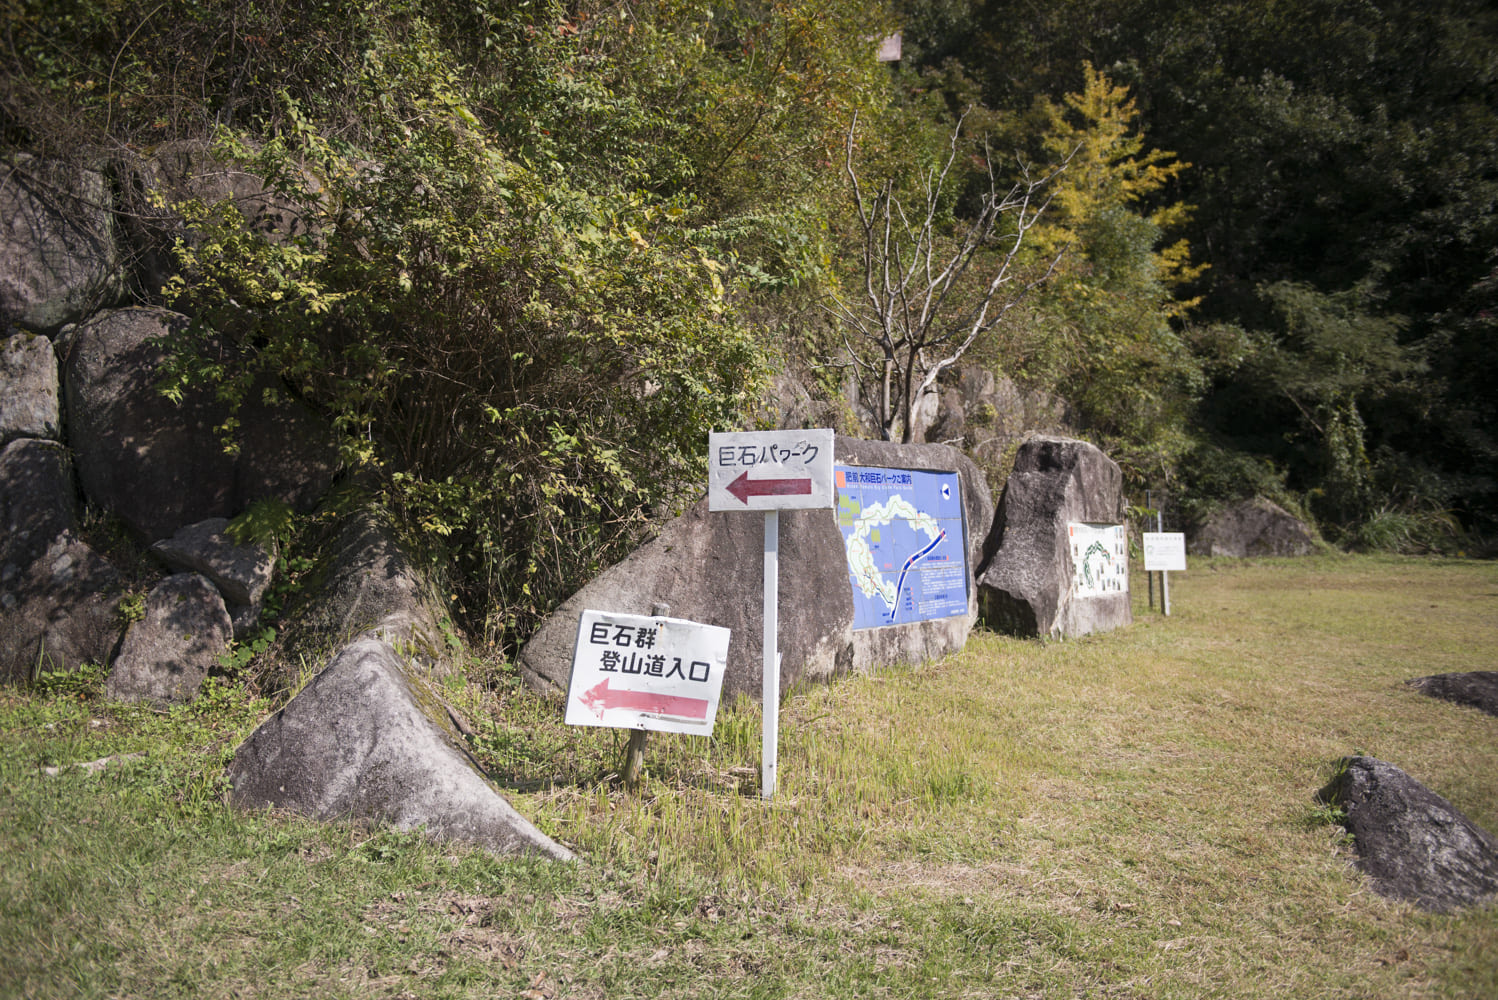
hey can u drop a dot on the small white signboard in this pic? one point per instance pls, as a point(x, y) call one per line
point(770, 470)
point(1164, 551)
point(640, 672)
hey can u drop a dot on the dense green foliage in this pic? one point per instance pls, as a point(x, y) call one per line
point(548, 246)
point(1344, 180)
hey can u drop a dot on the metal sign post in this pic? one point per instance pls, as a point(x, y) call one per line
point(770, 471)
point(770, 690)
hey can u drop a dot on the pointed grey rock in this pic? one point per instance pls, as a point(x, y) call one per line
point(367, 739)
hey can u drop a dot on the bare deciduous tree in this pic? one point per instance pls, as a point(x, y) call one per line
point(921, 308)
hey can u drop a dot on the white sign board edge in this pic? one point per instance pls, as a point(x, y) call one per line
point(1164, 551)
point(770, 470)
point(646, 672)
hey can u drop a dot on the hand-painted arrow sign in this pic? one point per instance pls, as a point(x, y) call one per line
point(638, 672)
point(770, 470)
point(744, 487)
point(600, 698)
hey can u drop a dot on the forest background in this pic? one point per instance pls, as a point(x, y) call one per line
point(549, 245)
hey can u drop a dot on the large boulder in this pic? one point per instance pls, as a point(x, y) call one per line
point(368, 739)
point(28, 389)
point(167, 655)
point(1413, 844)
point(1256, 527)
point(58, 258)
point(1477, 689)
point(188, 171)
point(36, 501)
point(241, 572)
point(369, 586)
point(57, 596)
point(1031, 581)
point(59, 612)
point(707, 567)
point(159, 465)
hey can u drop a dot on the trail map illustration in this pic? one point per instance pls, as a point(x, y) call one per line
point(1100, 559)
point(907, 553)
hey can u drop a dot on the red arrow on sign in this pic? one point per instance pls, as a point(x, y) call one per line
point(600, 698)
point(744, 487)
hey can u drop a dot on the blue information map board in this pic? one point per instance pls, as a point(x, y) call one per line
point(907, 553)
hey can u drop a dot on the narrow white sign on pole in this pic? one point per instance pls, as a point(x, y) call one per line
point(1164, 551)
point(641, 672)
point(770, 470)
point(770, 688)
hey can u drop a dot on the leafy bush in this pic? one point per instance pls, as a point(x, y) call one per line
point(528, 366)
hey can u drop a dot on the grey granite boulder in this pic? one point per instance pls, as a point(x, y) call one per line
point(240, 572)
point(36, 501)
point(368, 739)
point(57, 596)
point(167, 655)
point(1413, 844)
point(708, 567)
point(1256, 527)
point(28, 389)
point(58, 612)
point(58, 257)
point(159, 465)
point(1028, 583)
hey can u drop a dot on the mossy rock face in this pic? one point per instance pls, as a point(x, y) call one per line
point(369, 739)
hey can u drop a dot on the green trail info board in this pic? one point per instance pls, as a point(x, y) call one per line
point(907, 552)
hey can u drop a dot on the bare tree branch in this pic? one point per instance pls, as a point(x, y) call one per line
point(914, 276)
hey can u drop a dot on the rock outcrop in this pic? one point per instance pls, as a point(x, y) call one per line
point(1413, 844)
point(242, 573)
point(57, 596)
point(29, 406)
point(366, 740)
point(167, 655)
point(1477, 689)
point(370, 586)
point(1257, 527)
point(161, 465)
point(1028, 582)
point(59, 259)
point(707, 567)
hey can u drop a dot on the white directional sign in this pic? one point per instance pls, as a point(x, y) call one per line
point(1164, 551)
point(638, 672)
point(770, 470)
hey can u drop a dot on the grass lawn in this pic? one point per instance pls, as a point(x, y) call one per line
point(1127, 815)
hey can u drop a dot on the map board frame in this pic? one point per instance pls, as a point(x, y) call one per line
point(879, 569)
